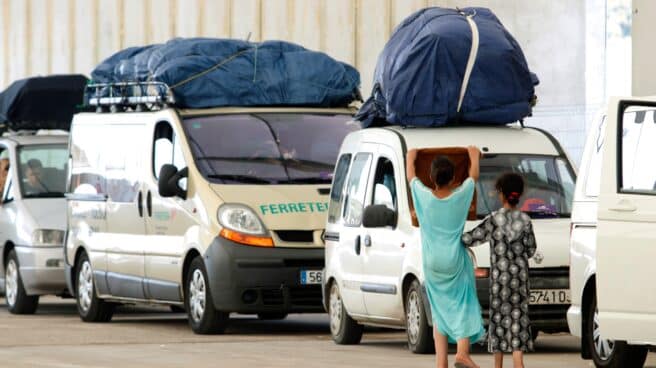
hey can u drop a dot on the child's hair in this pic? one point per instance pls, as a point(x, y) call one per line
point(442, 171)
point(511, 185)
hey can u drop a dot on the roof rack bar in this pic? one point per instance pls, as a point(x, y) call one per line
point(135, 95)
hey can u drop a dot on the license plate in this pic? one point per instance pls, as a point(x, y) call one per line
point(311, 277)
point(550, 296)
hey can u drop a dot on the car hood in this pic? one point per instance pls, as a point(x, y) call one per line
point(47, 213)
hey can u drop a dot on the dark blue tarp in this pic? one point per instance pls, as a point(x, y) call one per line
point(42, 102)
point(206, 72)
point(420, 71)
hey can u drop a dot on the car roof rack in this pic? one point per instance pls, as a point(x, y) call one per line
point(128, 96)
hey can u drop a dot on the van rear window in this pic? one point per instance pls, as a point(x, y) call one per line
point(272, 148)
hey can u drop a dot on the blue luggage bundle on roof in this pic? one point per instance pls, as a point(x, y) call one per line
point(444, 66)
point(206, 72)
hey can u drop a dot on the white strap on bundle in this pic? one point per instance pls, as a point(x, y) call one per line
point(472, 59)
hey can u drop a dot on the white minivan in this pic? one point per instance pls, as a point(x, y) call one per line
point(32, 217)
point(217, 211)
point(373, 270)
point(613, 307)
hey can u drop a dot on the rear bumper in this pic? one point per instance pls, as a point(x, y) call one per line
point(42, 269)
point(547, 318)
point(245, 279)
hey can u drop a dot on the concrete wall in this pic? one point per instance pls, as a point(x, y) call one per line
point(62, 36)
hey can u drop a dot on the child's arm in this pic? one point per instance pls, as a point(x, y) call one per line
point(481, 234)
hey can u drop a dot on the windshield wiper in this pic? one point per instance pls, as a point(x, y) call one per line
point(308, 181)
point(240, 178)
point(44, 195)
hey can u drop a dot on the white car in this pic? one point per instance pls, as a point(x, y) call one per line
point(373, 270)
point(32, 218)
point(613, 310)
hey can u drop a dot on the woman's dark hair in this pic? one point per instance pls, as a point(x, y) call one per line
point(442, 171)
point(511, 185)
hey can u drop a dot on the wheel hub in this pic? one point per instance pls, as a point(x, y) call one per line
point(335, 307)
point(85, 286)
point(11, 282)
point(413, 317)
point(197, 296)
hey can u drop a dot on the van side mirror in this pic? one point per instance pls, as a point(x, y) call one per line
point(168, 185)
point(378, 215)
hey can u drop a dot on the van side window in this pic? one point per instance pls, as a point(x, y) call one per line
point(87, 174)
point(166, 150)
point(356, 189)
point(384, 184)
point(337, 191)
point(124, 165)
point(8, 193)
point(638, 150)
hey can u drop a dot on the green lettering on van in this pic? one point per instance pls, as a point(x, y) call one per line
point(292, 207)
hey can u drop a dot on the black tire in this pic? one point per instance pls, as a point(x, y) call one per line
point(18, 302)
point(272, 316)
point(622, 355)
point(420, 334)
point(209, 321)
point(89, 306)
point(344, 329)
point(177, 309)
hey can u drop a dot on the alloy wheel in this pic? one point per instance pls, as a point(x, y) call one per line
point(603, 347)
point(197, 292)
point(85, 286)
point(335, 310)
point(413, 317)
point(11, 282)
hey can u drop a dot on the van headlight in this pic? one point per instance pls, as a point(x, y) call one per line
point(43, 237)
point(240, 218)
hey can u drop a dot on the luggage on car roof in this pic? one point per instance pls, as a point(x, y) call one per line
point(207, 72)
point(42, 102)
point(444, 66)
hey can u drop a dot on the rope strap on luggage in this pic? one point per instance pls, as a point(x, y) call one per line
point(473, 52)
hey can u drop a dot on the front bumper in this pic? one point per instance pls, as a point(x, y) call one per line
point(246, 279)
point(547, 318)
point(42, 269)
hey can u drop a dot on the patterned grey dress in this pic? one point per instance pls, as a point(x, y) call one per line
point(512, 243)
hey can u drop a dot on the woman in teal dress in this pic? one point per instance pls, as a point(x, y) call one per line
point(448, 269)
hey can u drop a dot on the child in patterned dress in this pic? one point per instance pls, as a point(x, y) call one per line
point(512, 242)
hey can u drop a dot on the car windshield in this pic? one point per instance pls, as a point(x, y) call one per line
point(42, 170)
point(268, 148)
point(549, 184)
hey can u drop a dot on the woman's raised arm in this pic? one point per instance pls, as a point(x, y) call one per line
point(474, 159)
point(410, 159)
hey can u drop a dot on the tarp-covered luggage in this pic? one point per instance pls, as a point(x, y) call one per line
point(42, 102)
point(207, 72)
point(420, 77)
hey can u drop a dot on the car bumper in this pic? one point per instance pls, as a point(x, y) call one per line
point(246, 279)
point(42, 269)
point(548, 318)
point(574, 320)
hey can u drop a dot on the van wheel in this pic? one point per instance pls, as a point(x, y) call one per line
point(89, 306)
point(608, 353)
point(203, 318)
point(18, 302)
point(420, 337)
point(343, 328)
point(271, 316)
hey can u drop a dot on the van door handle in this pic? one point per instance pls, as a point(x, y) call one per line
point(367, 241)
point(357, 245)
point(623, 206)
point(149, 204)
point(140, 204)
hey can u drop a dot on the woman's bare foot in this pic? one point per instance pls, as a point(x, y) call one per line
point(466, 360)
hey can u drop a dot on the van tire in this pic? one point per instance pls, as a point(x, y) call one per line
point(272, 316)
point(420, 333)
point(203, 318)
point(18, 302)
point(343, 329)
point(89, 306)
point(623, 355)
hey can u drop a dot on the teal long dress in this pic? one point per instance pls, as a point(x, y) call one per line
point(448, 269)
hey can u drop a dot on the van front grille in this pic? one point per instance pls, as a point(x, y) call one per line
point(296, 236)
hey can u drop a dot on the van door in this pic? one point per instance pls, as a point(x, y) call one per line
point(123, 158)
point(349, 251)
point(626, 242)
point(167, 219)
point(383, 250)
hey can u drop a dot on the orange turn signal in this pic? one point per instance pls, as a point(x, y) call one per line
point(482, 273)
point(237, 237)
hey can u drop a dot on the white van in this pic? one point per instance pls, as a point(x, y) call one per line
point(214, 210)
point(613, 308)
point(373, 270)
point(32, 217)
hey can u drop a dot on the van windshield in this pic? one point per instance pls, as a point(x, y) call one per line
point(268, 148)
point(42, 170)
point(549, 184)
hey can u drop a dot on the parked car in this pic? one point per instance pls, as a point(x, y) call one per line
point(373, 270)
point(612, 309)
point(217, 211)
point(32, 217)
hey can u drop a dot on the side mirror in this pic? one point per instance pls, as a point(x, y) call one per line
point(168, 185)
point(378, 215)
